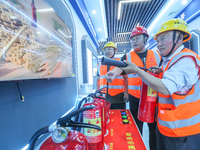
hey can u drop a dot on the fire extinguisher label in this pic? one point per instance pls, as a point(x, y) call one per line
point(151, 92)
point(92, 117)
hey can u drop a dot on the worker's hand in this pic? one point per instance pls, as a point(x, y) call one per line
point(155, 70)
point(131, 68)
point(110, 76)
point(126, 97)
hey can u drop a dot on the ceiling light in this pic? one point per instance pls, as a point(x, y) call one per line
point(123, 33)
point(184, 2)
point(99, 29)
point(138, 24)
point(94, 12)
point(162, 12)
point(104, 18)
point(127, 1)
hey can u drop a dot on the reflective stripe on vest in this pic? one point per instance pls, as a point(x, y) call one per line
point(179, 115)
point(134, 81)
point(114, 88)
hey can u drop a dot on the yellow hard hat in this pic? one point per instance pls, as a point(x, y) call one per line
point(175, 24)
point(110, 44)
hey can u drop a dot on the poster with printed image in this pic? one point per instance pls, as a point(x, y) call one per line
point(35, 42)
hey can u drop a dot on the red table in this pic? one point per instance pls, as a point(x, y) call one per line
point(123, 136)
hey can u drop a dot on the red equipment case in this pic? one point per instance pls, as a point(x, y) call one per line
point(123, 136)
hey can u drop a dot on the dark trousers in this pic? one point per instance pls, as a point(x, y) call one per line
point(134, 105)
point(118, 105)
point(177, 143)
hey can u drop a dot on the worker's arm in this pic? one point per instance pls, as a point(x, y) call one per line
point(126, 95)
point(153, 82)
point(112, 74)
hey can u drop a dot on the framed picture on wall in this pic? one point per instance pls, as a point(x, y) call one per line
point(35, 42)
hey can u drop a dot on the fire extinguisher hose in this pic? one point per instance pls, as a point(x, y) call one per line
point(112, 62)
point(36, 136)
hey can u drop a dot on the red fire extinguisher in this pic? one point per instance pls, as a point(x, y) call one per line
point(94, 116)
point(102, 102)
point(148, 102)
point(62, 138)
point(34, 23)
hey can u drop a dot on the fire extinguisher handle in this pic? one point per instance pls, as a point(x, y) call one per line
point(84, 125)
point(66, 119)
point(101, 89)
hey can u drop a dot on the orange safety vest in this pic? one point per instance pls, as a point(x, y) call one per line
point(179, 114)
point(114, 88)
point(134, 81)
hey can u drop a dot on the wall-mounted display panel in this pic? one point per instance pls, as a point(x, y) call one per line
point(35, 42)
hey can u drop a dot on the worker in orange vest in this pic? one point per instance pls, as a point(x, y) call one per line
point(115, 90)
point(143, 58)
point(178, 118)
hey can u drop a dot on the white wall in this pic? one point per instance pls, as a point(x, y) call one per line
point(80, 31)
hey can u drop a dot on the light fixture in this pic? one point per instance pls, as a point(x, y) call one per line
point(138, 24)
point(99, 29)
point(94, 12)
point(121, 33)
point(184, 2)
point(104, 22)
point(192, 15)
point(162, 12)
point(127, 1)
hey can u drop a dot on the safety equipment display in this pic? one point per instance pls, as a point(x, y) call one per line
point(94, 116)
point(62, 138)
point(147, 104)
point(110, 44)
point(175, 24)
point(139, 30)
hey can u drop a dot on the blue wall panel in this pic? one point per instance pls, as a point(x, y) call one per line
point(45, 100)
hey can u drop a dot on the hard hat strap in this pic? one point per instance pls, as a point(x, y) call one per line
point(174, 43)
point(145, 41)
